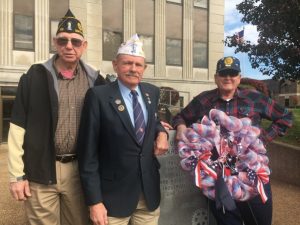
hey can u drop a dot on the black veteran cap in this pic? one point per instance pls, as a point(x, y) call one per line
point(228, 63)
point(69, 24)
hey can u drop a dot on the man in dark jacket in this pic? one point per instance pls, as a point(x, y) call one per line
point(119, 138)
point(43, 131)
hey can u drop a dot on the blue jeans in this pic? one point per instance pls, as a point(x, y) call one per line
point(252, 212)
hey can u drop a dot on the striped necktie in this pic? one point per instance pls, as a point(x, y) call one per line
point(139, 120)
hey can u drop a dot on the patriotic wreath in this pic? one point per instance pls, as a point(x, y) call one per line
point(225, 146)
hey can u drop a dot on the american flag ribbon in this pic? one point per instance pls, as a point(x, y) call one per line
point(261, 190)
point(202, 166)
point(262, 178)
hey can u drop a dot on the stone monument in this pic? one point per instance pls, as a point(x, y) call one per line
point(182, 202)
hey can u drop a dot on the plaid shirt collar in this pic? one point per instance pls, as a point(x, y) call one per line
point(238, 94)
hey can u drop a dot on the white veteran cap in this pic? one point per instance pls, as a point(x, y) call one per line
point(133, 46)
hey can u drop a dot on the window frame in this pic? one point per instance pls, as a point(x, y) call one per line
point(199, 41)
point(145, 32)
point(206, 62)
point(14, 33)
point(181, 40)
point(181, 54)
point(153, 48)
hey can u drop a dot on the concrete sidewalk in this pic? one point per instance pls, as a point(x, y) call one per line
point(286, 200)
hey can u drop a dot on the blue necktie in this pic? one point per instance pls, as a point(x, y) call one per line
point(139, 120)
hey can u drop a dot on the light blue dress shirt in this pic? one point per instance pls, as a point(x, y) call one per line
point(127, 96)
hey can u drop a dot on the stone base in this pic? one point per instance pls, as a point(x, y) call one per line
point(182, 202)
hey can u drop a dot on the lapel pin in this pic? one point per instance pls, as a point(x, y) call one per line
point(121, 108)
point(148, 98)
point(118, 101)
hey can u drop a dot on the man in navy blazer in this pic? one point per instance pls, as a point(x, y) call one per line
point(120, 174)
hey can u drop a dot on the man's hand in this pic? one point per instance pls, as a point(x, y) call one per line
point(20, 190)
point(166, 125)
point(161, 144)
point(180, 129)
point(98, 214)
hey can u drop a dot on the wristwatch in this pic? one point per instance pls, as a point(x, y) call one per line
point(21, 178)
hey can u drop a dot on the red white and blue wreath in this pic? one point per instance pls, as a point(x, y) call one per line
point(241, 159)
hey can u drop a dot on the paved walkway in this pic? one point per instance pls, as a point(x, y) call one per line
point(286, 200)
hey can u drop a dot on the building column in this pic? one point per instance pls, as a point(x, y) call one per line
point(94, 33)
point(6, 35)
point(187, 64)
point(42, 36)
point(215, 43)
point(129, 19)
point(160, 39)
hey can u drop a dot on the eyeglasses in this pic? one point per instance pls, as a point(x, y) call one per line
point(225, 73)
point(62, 41)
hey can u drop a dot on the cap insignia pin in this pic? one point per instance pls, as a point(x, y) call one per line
point(69, 26)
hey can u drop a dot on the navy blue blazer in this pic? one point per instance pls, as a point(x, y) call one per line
point(114, 169)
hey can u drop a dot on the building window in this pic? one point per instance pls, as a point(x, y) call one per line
point(23, 24)
point(174, 52)
point(148, 46)
point(175, 1)
point(200, 56)
point(53, 29)
point(111, 42)
point(200, 3)
point(174, 34)
point(55, 14)
point(145, 12)
point(112, 27)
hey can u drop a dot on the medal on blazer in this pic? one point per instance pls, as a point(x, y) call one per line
point(148, 98)
point(121, 108)
point(118, 101)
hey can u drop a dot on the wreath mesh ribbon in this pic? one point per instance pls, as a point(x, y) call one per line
point(241, 158)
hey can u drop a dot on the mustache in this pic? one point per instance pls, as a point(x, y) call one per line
point(132, 75)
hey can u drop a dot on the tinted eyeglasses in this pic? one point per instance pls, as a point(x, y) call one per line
point(225, 73)
point(62, 41)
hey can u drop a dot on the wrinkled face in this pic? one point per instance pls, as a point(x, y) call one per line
point(130, 69)
point(69, 46)
point(227, 81)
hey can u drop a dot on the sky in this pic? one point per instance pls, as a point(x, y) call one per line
point(233, 25)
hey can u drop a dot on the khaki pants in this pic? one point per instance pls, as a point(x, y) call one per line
point(141, 216)
point(59, 204)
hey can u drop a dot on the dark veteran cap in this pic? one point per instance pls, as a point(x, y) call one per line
point(69, 24)
point(228, 63)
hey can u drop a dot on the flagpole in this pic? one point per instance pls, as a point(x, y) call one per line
point(243, 67)
point(239, 37)
point(244, 53)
